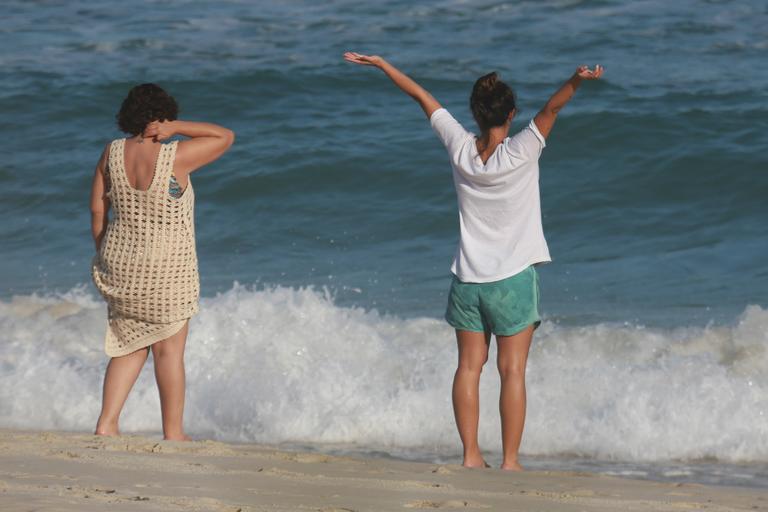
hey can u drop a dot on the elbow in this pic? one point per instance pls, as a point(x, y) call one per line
point(97, 227)
point(229, 137)
point(99, 218)
point(552, 109)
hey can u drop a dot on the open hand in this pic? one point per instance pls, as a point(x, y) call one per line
point(159, 130)
point(589, 74)
point(365, 60)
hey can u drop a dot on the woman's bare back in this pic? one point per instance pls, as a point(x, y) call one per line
point(140, 162)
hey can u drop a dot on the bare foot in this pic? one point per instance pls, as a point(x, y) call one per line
point(107, 429)
point(475, 462)
point(512, 466)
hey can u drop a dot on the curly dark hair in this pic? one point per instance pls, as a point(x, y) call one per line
point(491, 102)
point(145, 103)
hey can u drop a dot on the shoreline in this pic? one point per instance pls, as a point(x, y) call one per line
point(72, 471)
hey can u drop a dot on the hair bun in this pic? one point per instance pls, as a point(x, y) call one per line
point(491, 102)
point(486, 84)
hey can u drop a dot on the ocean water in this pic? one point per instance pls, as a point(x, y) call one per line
point(326, 234)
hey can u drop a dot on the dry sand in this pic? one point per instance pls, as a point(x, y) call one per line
point(54, 471)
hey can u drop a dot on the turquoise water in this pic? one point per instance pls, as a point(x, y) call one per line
point(654, 190)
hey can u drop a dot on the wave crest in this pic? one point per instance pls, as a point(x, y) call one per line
point(288, 365)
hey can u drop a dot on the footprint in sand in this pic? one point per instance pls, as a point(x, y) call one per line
point(443, 504)
point(305, 458)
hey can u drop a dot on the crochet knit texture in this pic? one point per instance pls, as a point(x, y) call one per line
point(146, 268)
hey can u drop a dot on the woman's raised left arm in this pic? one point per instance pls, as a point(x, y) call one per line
point(206, 142)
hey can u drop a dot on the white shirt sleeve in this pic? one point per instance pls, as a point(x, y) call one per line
point(448, 130)
point(527, 143)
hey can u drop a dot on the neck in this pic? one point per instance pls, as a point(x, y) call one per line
point(140, 139)
point(493, 136)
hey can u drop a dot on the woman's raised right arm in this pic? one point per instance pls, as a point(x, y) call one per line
point(206, 142)
point(427, 102)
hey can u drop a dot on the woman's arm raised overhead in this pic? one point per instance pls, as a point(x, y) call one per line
point(206, 143)
point(545, 119)
point(427, 102)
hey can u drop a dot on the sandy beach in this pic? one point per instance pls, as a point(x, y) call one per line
point(79, 472)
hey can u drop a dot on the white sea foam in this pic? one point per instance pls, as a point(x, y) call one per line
point(287, 365)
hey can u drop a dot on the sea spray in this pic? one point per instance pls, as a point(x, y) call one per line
point(285, 365)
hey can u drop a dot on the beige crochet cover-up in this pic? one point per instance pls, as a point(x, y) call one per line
point(146, 269)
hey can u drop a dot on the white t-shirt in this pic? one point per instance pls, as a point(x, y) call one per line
point(499, 204)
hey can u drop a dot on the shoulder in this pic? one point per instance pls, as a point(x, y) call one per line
point(450, 131)
point(441, 116)
point(112, 146)
point(113, 149)
point(528, 142)
point(105, 154)
point(534, 130)
point(182, 145)
point(169, 149)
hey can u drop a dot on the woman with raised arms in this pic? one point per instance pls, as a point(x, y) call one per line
point(495, 286)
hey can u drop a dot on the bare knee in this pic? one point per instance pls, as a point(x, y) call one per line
point(514, 370)
point(473, 365)
point(164, 350)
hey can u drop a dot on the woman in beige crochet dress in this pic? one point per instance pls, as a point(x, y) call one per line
point(146, 264)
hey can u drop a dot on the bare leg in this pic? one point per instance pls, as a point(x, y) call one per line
point(512, 359)
point(169, 372)
point(120, 377)
point(473, 353)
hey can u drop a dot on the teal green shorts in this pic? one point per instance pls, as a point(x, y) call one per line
point(503, 307)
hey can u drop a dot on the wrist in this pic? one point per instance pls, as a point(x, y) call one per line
point(175, 127)
point(575, 81)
